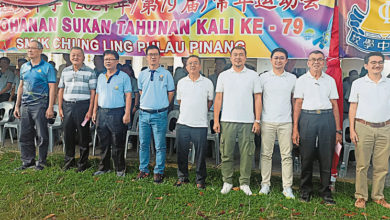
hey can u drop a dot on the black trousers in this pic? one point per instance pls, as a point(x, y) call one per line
point(4, 97)
point(112, 134)
point(33, 123)
point(198, 136)
point(317, 140)
point(74, 114)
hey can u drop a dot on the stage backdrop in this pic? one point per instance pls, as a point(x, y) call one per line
point(208, 28)
point(365, 27)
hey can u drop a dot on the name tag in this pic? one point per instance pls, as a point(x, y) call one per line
point(161, 77)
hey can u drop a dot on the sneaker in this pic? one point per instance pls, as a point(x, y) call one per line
point(39, 167)
point(226, 188)
point(120, 173)
point(264, 189)
point(158, 177)
point(25, 166)
point(288, 193)
point(142, 175)
point(246, 190)
point(100, 172)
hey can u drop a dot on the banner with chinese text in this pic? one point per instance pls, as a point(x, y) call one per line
point(365, 27)
point(208, 28)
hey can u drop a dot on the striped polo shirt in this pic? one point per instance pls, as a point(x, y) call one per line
point(77, 85)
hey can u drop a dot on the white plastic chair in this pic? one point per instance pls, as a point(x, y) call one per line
point(213, 137)
point(8, 107)
point(348, 147)
point(57, 125)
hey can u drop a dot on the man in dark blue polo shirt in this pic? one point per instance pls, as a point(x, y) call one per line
point(111, 112)
point(36, 93)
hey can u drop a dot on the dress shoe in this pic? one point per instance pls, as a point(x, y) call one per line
point(142, 175)
point(25, 166)
point(40, 167)
point(201, 186)
point(360, 203)
point(383, 203)
point(329, 200)
point(158, 178)
point(305, 197)
point(180, 182)
point(80, 169)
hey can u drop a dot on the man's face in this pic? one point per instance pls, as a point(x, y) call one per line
point(33, 52)
point(193, 65)
point(219, 65)
point(153, 57)
point(279, 60)
point(110, 62)
point(375, 65)
point(238, 58)
point(4, 64)
point(76, 57)
point(316, 62)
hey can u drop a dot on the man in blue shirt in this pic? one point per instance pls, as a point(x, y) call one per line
point(36, 93)
point(111, 112)
point(156, 87)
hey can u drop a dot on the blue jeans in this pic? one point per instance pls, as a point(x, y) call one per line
point(156, 123)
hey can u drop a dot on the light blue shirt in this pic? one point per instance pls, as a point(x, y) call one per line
point(155, 89)
point(112, 90)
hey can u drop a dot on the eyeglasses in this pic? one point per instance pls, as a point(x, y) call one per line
point(375, 63)
point(320, 60)
point(193, 63)
point(111, 60)
point(153, 55)
point(32, 48)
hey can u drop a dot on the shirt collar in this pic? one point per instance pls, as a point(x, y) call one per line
point(284, 74)
point(83, 68)
point(383, 79)
point(199, 79)
point(308, 74)
point(109, 79)
point(40, 63)
point(242, 71)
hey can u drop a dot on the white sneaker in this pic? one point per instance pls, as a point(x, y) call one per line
point(226, 188)
point(246, 190)
point(288, 193)
point(264, 189)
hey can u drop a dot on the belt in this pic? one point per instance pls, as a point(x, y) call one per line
point(75, 102)
point(374, 125)
point(155, 111)
point(317, 112)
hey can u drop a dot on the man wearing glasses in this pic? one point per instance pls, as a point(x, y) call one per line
point(369, 120)
point(111, 113)
point(36, 94)
point(157, 88)
point(76, 96)
point(316, 128)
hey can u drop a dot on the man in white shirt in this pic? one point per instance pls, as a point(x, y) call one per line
point(369, 120)
point(276, 121)
point(236, 88)
point(195, 96)
point(316, 127)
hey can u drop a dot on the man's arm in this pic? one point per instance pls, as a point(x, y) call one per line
point(335, 107)
point(91, 104)
point(60, 101)
point(6, 88)
point(52, 90)
point(18, 100)
point(95, 108)
point(352, 115)
point(170, 96)
point(258, 109)
point(209, 104)
point(126, 117)
point(217, 110)
point(297, 113)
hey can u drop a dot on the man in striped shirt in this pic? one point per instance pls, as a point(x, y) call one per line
point(75, 105)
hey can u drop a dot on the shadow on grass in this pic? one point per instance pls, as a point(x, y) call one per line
point(34, 194)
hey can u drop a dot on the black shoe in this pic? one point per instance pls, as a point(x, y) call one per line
point(40, 167)
point(25, 166)
point(305, 197)
point(80, 169)
point(158, 178)
point(201, 186)
point(329, 200)
point(180, 182)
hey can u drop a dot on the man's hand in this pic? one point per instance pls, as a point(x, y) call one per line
point(88, 115)
point(94, 117)
point(17, 113)
point(61, 113)
point(339, 138)
point(126, 119)
point(49, 113)
point(256, 128)
point(354, 137)
point(217, 127)
point(295, 137)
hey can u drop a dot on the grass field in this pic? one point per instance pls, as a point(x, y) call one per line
point(55, 194)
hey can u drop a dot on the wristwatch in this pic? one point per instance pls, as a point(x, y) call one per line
point(257, 121)
point(339, 131)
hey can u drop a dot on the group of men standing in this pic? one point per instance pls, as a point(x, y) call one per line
point(275, 104)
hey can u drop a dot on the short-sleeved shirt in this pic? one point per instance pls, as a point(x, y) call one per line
point(36, 81)
point(373, 99)
point(316, 94)
point(238, 89)
point(134, 86)
point(194, 97)
point(277, 92)
point(7, 77)
point(77, 85)
point(16, 84)
point(111, 91)
point(155, 89)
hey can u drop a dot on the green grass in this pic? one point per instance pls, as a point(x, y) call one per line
point(34, 194)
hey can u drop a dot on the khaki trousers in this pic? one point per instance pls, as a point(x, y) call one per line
point(373, 142)
point(246, 143)
point(269, 131)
